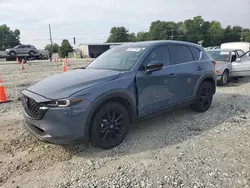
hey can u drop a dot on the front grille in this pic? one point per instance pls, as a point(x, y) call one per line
point(31, 107)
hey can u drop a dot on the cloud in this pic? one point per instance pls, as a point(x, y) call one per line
point(90, 21)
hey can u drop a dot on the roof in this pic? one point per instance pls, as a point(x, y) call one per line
point(142, 43)
point(223, 50)
point(102, 44)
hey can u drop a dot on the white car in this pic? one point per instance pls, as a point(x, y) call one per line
point(230, 63)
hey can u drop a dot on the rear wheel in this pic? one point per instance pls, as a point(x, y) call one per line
point(204, 97)
point(109, 126)
point(31, 53)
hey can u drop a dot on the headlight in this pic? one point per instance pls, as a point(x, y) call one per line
point(217, 72)
point(62, 103)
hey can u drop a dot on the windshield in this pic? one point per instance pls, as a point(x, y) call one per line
point(220, 55)
point(118, 58)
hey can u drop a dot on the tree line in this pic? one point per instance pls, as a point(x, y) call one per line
point(209, 33)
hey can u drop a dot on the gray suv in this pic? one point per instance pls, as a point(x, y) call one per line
point(22, 49)
point(128, 82)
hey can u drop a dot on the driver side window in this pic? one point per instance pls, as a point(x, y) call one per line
point(234, 57)
point(159, 53)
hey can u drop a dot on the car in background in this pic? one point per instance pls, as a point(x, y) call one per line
point(131, 81)
point(22, 49)
point(230, 63)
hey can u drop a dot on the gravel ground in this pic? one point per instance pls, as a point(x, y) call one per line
point(177, 149)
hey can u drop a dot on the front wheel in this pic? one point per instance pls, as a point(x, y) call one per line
point(109, 126)
point(204, 97)
point(224, 78)
point(12, 53)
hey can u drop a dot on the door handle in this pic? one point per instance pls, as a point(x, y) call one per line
point(172, 75)
point(199, 68)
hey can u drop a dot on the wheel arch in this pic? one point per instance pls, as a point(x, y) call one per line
point(208, 78)
point(118, 97)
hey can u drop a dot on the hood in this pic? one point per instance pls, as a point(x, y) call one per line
point(65, 84)
point(220, 63)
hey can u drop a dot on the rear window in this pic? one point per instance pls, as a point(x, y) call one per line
point(181, 53)
point(196, 52)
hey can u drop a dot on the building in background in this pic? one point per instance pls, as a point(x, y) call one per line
point(93, 50)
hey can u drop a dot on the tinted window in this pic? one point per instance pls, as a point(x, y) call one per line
point(196, 52)
point(180, 53)
point(159, 53)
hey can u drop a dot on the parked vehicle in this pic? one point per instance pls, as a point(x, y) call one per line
point(126, 83)
point(22, 49)
point(244, 46)
point(230, 63)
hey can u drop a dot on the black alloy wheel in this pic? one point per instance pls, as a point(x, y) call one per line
point(204, 97)
point(110, 126)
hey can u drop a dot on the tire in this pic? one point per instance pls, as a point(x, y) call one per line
point(224, 78)
point(102, 127)
point(204, 97)
point(12, 53)
point(31, 53)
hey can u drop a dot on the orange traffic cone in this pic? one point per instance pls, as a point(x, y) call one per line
point(17, 61)
point(3, 97)
point(22, 66)
point(64, 68)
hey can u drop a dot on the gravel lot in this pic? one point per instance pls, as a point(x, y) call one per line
point(177, 149)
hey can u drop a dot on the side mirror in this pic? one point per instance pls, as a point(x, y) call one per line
point(238, 60)
point(154, 66)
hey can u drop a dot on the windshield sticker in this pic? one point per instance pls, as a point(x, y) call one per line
point(134, 49)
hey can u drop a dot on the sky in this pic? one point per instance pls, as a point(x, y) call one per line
point(90, 21)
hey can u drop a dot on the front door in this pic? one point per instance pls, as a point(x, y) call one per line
point(241, 67)
point(157, 91)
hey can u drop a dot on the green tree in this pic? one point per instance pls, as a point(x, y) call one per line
point(161, 30)
point(215, 33)
point(65, 48)
point(246, 36)
point(143, 36)
point(194, 29)
point(118, 34)
point(132, 37)
point(54, 48)
point(8, 38)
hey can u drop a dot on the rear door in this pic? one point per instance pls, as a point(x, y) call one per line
point(157, 91)
point(189, 71)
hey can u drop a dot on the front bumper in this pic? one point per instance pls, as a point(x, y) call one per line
point(59, 125)
point(218, 77)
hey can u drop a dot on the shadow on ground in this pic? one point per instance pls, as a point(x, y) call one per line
point(175, 127)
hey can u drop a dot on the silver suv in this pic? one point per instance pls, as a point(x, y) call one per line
point(22, 49)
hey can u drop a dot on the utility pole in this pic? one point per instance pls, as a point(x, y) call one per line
point(50, 35)
point(50, 53)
